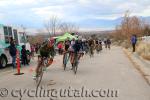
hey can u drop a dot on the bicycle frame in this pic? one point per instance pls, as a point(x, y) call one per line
point(75, 64)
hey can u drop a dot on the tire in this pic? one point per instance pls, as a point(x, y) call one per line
point(75, 65)
point(65, 61)
point(75, 69)
point(64, 66)
point(39, 77)
point(3, 61)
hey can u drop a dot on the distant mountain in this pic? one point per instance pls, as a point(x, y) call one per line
point(104, 23)
point(146, 19)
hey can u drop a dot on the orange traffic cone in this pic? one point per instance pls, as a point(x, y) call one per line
point(18, 63)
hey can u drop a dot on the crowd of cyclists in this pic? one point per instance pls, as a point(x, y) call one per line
point(69, 47)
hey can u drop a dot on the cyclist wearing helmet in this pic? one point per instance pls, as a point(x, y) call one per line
point(78, 48)
point(66, 51)
point(46, 51)
point(91, 46)
point(71, 45)
point(66, 44)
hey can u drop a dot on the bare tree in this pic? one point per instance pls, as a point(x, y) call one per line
point(52, 25)
point(129, 25)
point(68, 27)
point(36, 39)
point(125, 24)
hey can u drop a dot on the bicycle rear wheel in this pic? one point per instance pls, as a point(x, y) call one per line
point(65, 60)
point(75, 68)
point(75, 65)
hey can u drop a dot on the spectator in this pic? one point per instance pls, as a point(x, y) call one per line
point(133, 41)
point(60, 48)
point(12, 51)
point(24, 55)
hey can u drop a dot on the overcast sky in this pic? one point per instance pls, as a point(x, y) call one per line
point(33, 13)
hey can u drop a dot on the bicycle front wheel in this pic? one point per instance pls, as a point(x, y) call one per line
point(39, 77)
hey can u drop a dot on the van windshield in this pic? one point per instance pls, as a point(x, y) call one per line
point(22, 38)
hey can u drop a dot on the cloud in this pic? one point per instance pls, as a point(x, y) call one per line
point(145, 12)
point(46, 12)
point(34, 12)
point(17, 2)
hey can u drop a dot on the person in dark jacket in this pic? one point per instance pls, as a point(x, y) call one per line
point(78, 46)
point(12, 51)
point(133, 41)
point(24, 55)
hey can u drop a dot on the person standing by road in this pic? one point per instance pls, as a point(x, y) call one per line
point(60, 48)
point(12, 51)
point(133, 41)
point(24, 56)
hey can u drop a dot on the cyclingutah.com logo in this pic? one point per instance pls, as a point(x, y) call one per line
point(53, 94)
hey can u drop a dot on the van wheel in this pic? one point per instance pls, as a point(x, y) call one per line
point(3, 61)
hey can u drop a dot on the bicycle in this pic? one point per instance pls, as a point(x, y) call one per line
point(76, 61)
point(91, 51)
point(98, 48)
point(43, 64)
point(65, 59)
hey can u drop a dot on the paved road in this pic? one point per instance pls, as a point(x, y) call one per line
point(107, 76)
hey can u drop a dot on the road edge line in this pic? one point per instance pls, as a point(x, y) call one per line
point(136, 66)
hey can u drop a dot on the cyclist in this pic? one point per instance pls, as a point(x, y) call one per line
point(108, 43)
point(66, 51)
point(71, 50)
point(105, 42)
point(78, 48)
point(91, 46)
point(97, 46)
point(100, 43)
point(66, 44)
point(86, 47)
point(46, 50)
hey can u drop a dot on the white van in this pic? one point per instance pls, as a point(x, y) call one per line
point(16, 33)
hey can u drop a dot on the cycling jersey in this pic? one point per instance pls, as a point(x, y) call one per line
point(47, 51)
point(77, 46)
point(67, 45)
point(71, 46)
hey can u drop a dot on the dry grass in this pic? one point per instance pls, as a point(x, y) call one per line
point(146, 57)
point(143, 49)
